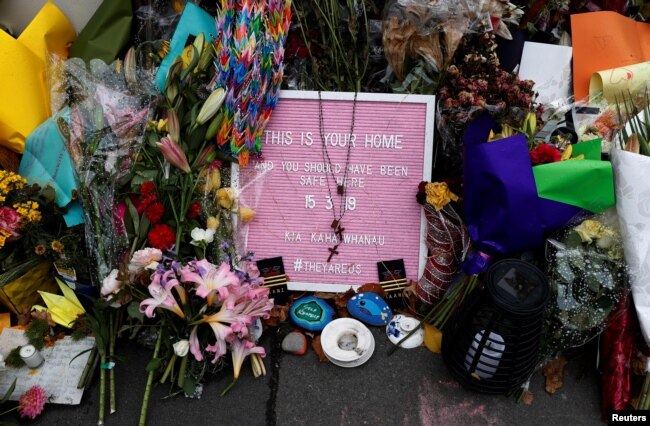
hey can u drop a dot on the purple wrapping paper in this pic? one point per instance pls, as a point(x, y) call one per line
point(502, 210)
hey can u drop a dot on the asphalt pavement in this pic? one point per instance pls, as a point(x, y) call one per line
point(410, 387)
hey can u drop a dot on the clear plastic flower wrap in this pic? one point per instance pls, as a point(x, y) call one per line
point(588, 278)
point(420, 37)
point(104, 111)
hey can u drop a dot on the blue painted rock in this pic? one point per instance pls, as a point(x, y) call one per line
point(369, 308)
point(311, 313)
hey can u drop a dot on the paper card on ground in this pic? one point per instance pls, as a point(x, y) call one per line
point(603, 41)
point(549, 66)
point(59, 375)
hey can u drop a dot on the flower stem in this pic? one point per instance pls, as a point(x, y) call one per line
point(643, 402)
point(168, 370)
point(230, 386)
point(147, 389)
point(111, 356)
point(9, 410)
point(181, 373)
point(102, 388)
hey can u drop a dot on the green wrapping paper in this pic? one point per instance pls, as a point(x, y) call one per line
point(106, 34)
point(587, 183)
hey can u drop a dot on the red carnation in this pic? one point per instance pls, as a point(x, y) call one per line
point(194, 210)
point(545, 153)
point(154, 212)
point(161, 236)
point(148, 188)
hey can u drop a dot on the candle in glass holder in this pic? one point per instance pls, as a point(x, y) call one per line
point(31, 356)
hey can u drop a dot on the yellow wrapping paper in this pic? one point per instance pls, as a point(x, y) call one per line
point(23, 86)
point(20, 294)
point(64, 309)
point(432, 338)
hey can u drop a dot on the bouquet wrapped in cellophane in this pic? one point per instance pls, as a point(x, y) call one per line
point(588, 278)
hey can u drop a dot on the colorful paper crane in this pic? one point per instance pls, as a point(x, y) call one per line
point(250, 52)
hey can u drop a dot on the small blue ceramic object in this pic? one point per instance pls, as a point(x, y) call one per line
point(311, 313)
point(369, 308)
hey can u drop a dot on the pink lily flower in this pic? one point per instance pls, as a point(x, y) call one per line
point(240, 350)
point(162, 297)
point(195, 346)
point(210, 279)
point(174, 154)
point(225, 324)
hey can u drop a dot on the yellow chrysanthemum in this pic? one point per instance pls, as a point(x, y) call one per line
point(439, 195)
point(3, 237)
point(10, 181)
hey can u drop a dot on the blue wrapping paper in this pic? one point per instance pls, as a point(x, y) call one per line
point(503, 212)
point(46, 162)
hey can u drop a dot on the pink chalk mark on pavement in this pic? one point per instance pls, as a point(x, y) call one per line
point(437, 408)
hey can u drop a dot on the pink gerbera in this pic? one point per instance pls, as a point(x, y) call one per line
point(32, 402)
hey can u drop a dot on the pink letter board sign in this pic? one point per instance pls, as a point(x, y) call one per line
point(387, 154)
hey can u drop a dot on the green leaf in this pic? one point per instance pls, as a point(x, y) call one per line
point(573, 240)
point(7, 394)
point(134, 311)
point(196, 138)
point(153, 365)
point(592, 282)
point(144, 228)
point(189, 386)
point(133, 215)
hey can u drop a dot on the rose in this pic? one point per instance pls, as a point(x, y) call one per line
point(545, 153)
point(10, 222)
point(439, 195)
point(588, 230)
point(110, 284)
point(147, 258)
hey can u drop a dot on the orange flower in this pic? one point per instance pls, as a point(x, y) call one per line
point(57, 246)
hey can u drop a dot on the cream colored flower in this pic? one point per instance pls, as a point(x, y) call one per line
point(246, 215)
point(589, 230)
point(213, 223)
point(147, 258)
point(181, 348)
point(606, 238)
point(439, 195)
point(111, 285)
point(201, 236)
point(226, 198)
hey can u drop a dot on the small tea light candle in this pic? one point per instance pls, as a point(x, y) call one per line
point(32, 357)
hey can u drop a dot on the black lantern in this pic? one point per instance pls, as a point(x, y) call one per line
point(491, 344)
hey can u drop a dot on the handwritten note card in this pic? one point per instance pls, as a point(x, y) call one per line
point(58, 375)
point(387, 151)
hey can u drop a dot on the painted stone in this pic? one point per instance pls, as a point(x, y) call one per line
point(400, 327)
point(370, 308)
point(311, 313)
point(295, 343)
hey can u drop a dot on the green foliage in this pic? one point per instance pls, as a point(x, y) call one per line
point(36, 332)
point(13, 358)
